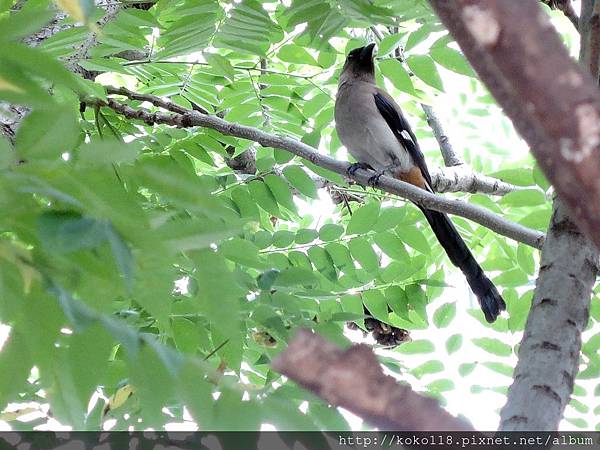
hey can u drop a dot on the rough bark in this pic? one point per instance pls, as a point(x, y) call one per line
point(554, 104)
point(549, 353)
point(391, 185)
point(353, 379)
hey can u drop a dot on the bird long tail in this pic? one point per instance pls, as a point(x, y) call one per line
point(490, 300)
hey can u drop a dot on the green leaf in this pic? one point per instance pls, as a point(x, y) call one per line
point(444, 315)
point(539, 178)
point(299, 179)
point(295, 276)
point(452, 59)
point(424, 68)
point(283, 238)
point(330, 232)
point(389, 44)
point(520, 176)
point(466, 368)
point(7, 154)
point(87, 358)
point(280, 191)
point(293, 53)
point(305, 236)
point(65, 232)
point(418, 36)
point(392, 246)
point(511, 278)
point(362, 251)
point(323, 262)
point(443, 385)
point(153, 383)
point(241, 251)
point(219, 300)
point(393, 71)
point(31, 59)
point(525, 258)
point(24, 22)
point(454, 343)
point(493, 346)
point(525, 197)
point(414, 238)
point(15, 363)
point(107, 152)
point(190, 29)
point(397, 301)
point(221, 65)
point(429, 367)
point(416, 347)
point(248, 29)
point(498, 367)
point(264, 197)
point(389, 217)
point(47, 134)
point(375, 302)
point(363, 219)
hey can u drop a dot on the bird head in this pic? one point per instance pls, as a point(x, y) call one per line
point(359, 64)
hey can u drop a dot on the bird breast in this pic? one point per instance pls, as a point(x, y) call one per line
point(366, 134)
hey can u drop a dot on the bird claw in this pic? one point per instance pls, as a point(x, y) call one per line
point(352, 168)
point(374, 180)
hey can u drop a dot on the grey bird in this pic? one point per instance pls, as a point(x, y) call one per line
point(372, 127)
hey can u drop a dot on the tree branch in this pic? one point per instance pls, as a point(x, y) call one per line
point(478, 214)
point(521, 59)
point(451, 179)
point(463, 179)
point(353, 379)
point(448, 153)
point(549, 353)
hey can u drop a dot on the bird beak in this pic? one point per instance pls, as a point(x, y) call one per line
point(367, 52)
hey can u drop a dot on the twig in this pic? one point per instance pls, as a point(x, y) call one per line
point(353, 379)
point(448, 153)
point(192, 118)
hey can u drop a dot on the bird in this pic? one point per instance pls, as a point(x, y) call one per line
point(370, 124)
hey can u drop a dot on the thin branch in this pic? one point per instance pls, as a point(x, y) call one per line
point(448, 153)
point(451, 179)
point(155, 100)
point(463, 179)
point(353, 379)
point(91, 41)
point(431, 201)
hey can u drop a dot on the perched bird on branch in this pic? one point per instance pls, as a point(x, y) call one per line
point(372, 127)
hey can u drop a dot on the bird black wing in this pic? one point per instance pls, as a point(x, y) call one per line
point(403, 133)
